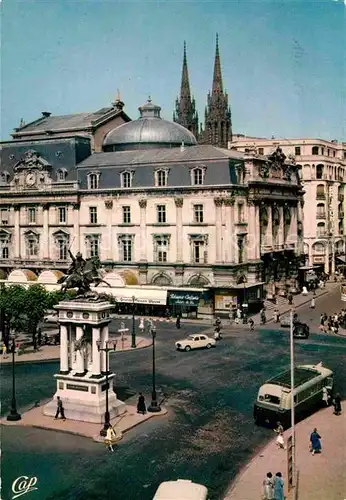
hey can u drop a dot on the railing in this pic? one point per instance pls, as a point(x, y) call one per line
point(321, 234)
point(321, 215)
point(34, 262)
point(320, 196)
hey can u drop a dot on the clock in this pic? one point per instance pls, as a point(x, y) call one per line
point(30, 179)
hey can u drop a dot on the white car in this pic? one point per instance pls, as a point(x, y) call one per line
point(195, 342)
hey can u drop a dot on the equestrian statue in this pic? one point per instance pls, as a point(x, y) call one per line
point(81, 274)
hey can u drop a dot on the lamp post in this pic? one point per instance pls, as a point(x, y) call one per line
point(292, 438)
point(13, 416)
point(245, 304)
point(110, 345)
point(154, 405)
point(133, 336)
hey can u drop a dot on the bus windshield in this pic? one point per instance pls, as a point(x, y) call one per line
point(269, 398)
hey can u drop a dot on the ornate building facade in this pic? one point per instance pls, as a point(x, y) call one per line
point(155, 207)
point(217, 129)
point(322, 165)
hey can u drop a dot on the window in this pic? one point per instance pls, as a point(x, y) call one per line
point(161, 177)
point(61, 175)
point(319, 171)
point(315, 150)
point(126, 179)
point(94, 246)
point(32, 215)
point(341, 227)
point(320, 194)
point(197, 176)
point(4, 250)
point(240, 212)
point(4, 177)
point(93, 215)
point(321, 212)
point(127, 249)
point(198, 247)
point(62, 248)
point(161, 244)
point(161, 214)
point(4, 216)
point(62, 215)
point(198, 213)
point(127, 215)
point(321, 229)
point(297, 150)
point(241, 246)
point(261, 151)
point(93, 181)
point(32, 246)
point(334, 153)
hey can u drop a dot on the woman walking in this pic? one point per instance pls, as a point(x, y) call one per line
point(315, 442)
point(278, 487)
point(268, 487)
point(337, 405)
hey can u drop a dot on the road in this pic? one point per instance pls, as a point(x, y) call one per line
point(207, 437)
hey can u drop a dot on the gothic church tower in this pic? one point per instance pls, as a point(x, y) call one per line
point(185, 106)
point(217, 121)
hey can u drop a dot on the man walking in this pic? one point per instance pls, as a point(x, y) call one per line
point(60, 409)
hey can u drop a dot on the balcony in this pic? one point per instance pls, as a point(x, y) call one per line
point(320, 196)
point(321, 234)
point(321, 215)
point(35, 262)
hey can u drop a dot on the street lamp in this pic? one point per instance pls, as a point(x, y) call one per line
point(133, 336)
point(245, 304)
point(110, 345)
point(13, 416)
point(292, 438)
point(154, 405)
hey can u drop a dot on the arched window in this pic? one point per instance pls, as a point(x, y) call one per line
point(318, 248)
point(197, 176)
point(340, 210)
point(319, 171)
point(315, 150)
point(4, 177)
point(320, 192)
point(321, 230)
point(61, 175)
point(161, 177)
point(126, 179)
point(321, 211)
point(93, 180)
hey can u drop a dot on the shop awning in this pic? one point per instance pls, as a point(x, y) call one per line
point(146, 296)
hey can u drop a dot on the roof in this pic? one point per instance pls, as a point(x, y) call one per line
point(181, 489)
point(302, 374)
point(76, 121)
point(150, 156)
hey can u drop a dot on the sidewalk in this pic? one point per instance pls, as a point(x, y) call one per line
point(52, 352)
point(122, 424)
point(321, 477)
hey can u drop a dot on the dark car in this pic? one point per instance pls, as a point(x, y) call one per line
point(301, 330)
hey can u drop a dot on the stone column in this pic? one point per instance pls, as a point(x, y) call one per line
point(281, 227)
point(17, 232)
point(64, 358)
point(104, 334)
point(218, 229)
point(269, 231)
point(179, 202)
point(230, 238)
point(96, 365)
point(79, 354)
point(293, 232)
point(109, 250)
point(300, 215)
point(76, 235)
point(143, 229)
point(45, 233)
point(253, 233)
point(257, 233)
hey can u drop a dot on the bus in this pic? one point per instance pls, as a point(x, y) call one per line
point(181, 489)
point(273, 402)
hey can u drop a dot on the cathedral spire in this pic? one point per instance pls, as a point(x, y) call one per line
point(217, 78)
point(185, 107)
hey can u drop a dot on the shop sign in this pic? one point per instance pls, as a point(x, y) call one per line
point(184, 298)
point(142, 300)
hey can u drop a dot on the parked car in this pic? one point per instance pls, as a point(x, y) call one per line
point(285, 321)
point(195, 342)
point(301, 331)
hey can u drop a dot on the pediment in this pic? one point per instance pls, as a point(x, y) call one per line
point(4, 233)
point(30, 232)
point(61, 232)
point(32, 161)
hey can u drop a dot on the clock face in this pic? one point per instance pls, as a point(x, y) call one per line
point(30, 179)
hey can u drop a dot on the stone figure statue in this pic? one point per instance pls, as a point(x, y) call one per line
point(81, 274)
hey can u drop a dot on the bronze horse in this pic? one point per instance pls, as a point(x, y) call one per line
point(82, 279)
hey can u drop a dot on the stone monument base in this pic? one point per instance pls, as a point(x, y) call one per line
point(84, 398)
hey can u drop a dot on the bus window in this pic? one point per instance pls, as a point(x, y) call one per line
point(268, 398)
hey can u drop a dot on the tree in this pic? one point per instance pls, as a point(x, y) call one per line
point(37, 302)
point(12, 304)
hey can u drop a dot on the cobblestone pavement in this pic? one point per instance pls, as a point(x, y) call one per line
point(321, 477)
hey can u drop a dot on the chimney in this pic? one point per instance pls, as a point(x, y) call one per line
point(46, 114)
point(182, 147)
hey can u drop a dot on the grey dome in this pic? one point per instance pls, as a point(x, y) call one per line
point(148, 131)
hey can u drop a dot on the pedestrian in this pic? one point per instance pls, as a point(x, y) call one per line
point(141, 407)
point(279, 428)
point(177, 323)
point(60, 409)
point(251, 324)
point(312, 305)
point(290, 299)
point(278, 487)
point(315, 442)
point(268, 487)
point(141, 325)
point(325, 396)
point(276, 315)
point(337, 405)
point(280, 442)
point(4, 351)
point(110, 438)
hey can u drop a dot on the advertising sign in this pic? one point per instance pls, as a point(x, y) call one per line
point(184, 298)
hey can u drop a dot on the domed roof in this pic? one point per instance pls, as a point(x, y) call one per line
point(148, 131)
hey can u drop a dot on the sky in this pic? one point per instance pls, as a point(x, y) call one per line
point(283, 61)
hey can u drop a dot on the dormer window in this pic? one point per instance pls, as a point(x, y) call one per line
point(197, 176)
point(93, 180)
point(161, 177)
point(5, 177)
point(61, 175)
point(126, 179)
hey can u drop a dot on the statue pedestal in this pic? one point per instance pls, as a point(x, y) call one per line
point(81, 382)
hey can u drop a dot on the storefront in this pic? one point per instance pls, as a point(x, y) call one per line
point(228, 299)
point(138, 300)
point(184, 302)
